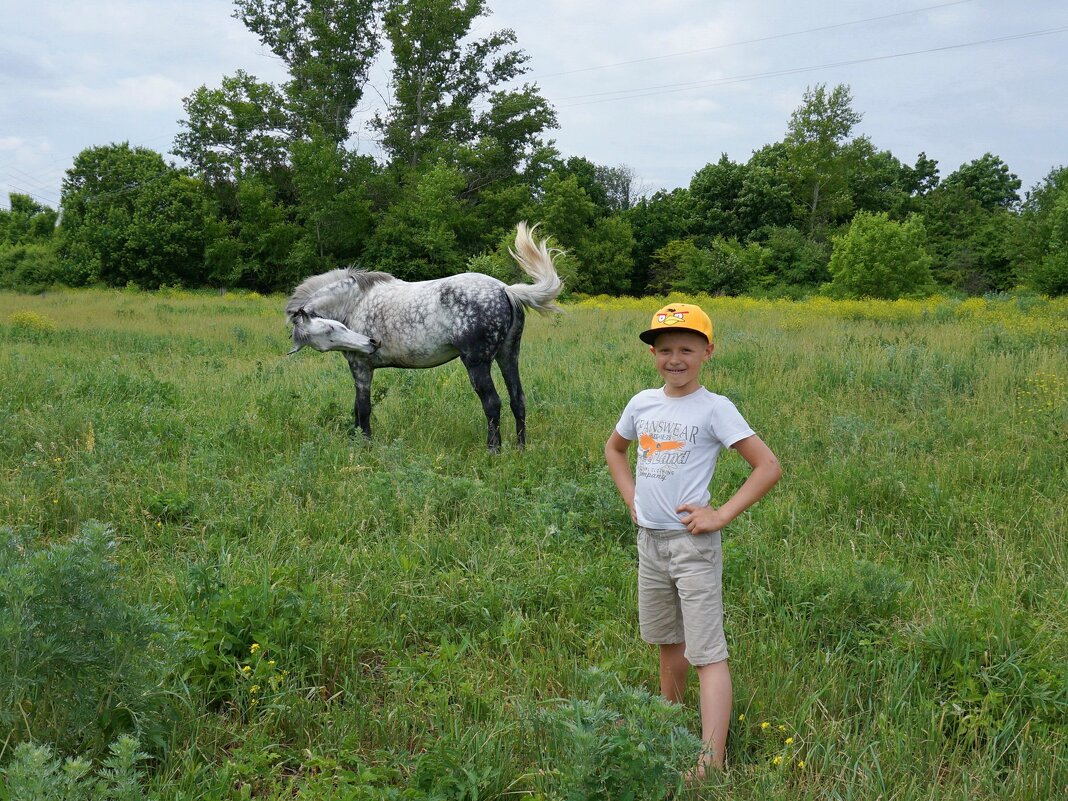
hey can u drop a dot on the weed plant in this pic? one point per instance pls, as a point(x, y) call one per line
point(36, 774)
point(413, 618)
point(81, 661)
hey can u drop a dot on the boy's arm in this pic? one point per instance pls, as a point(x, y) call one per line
point(615, 454)
point(766, 471)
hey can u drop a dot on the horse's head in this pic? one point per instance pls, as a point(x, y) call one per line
point(325, 334)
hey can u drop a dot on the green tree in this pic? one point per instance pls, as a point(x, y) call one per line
point(714, 190)
point(240, 128)
point(975, 249)
point(445, 92)
point(880, 258)
point(332, 204)
point(612, 189)
point(924, 175)
point(565, 209)
point(816, 163)
point(27, 249)
point(736, 200)
point(328, 47)
point(793, 259)
point(878, 181)
point(988, 181)
point(1037, 214)
point(131, 218)
point(605, 257)
point(416, 237)
point(602, 246)
point(26, 221)
point(1050, 276)
point(264, 235)
point(655, 221)
point(724, 268)
point(670, 262)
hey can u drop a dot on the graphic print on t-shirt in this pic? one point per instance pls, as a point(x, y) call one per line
point(650, 445)
point(659, 458)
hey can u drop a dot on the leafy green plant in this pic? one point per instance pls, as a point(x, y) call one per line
point(231, 625)
point(622, 743)
point(995, 678)
point(80, 663)
point(36, 774)
point(880, 258)
point(30, 325)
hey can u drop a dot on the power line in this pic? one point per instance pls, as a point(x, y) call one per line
point(627, 94)
point(771, 38)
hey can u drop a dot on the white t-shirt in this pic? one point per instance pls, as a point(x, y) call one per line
point(679, 440)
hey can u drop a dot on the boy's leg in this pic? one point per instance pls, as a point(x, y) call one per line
point(717, 697)
point(674, 670)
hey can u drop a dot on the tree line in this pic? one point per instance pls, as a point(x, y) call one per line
point(275, 188)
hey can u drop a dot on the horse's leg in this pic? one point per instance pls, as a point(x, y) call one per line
point(508, 361)
point(362, 373)
point(478, 370)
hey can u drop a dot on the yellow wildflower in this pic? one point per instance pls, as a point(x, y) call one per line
point(789, 740)
point(246, 669)
point(255, 647)
point(776, 760)
point(801, 763)
point(255, 688)
point(765, 725)
point(741, 717)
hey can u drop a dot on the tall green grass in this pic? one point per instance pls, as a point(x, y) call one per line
point(417, 618)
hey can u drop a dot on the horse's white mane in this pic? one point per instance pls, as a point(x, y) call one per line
point(329, 283)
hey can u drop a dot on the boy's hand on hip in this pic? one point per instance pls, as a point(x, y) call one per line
point(701, 519)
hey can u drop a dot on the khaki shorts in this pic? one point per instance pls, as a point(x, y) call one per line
point(680, 592)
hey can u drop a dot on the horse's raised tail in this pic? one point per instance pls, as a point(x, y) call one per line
point(536, 259)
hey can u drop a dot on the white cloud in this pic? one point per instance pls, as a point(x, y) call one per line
point(79, 74)
point(136, 95)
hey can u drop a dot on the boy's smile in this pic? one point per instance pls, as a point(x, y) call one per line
point(679, 356)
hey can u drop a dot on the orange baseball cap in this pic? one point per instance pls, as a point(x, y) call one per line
point(678, 317)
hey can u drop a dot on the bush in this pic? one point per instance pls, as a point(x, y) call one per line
point(1050, 276)
point(31, 325)
point(30, 267)
point(35, 774)
point(624, 743)
point(80, 664)
point(880, 258)
point(793, 258)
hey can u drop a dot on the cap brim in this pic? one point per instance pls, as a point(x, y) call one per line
point(649, 337)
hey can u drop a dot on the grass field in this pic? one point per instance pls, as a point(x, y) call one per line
point(279, 609)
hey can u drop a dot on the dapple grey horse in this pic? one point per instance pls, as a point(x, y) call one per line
point(377, 320)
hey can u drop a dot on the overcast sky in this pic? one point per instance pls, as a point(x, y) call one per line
point(663, 87)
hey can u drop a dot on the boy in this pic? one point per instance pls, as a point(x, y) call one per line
point(680, 429)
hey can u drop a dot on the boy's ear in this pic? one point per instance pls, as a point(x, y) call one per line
point(652, 349)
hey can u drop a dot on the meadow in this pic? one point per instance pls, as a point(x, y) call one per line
point(195, 549)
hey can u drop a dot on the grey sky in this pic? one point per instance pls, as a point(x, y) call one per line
point(664, 87)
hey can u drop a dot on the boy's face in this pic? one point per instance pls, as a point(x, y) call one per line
point(679, 356)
